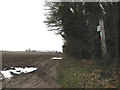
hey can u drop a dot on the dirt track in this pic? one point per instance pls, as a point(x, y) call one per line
point(44, 77)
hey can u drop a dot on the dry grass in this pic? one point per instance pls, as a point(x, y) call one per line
point(75, 73)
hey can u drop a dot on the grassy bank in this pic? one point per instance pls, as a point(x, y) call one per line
point(75, 73)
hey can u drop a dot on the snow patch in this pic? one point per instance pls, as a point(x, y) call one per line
point(72, 10)
point(7, 74)
point(103, 9)
point(58, 58)
point(25, 70)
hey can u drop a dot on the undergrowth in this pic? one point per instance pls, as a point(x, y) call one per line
point(75, 73)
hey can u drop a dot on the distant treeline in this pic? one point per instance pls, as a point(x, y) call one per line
point(32, 51)
point(48, 51)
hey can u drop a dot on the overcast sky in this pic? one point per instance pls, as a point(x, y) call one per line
point(22, 27)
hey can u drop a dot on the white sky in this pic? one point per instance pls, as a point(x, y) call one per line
point(22, 27)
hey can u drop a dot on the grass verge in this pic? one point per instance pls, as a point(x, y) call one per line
point(75, 73)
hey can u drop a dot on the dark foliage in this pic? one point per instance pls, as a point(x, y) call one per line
point(77, 24)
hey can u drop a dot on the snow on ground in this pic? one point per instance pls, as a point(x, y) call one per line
point(7, 74)
point(26, 69)
point(72, 10)
point(58, 58)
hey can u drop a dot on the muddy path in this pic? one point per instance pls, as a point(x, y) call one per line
point(44, 77)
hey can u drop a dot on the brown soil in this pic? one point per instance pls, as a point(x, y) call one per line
point(44, 77)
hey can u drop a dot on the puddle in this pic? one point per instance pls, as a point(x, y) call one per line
point(56, 58)
point(7, 74)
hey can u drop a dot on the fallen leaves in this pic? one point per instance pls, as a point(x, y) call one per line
point(94, 80)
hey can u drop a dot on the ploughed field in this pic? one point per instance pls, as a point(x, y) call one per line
point(43, 77)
